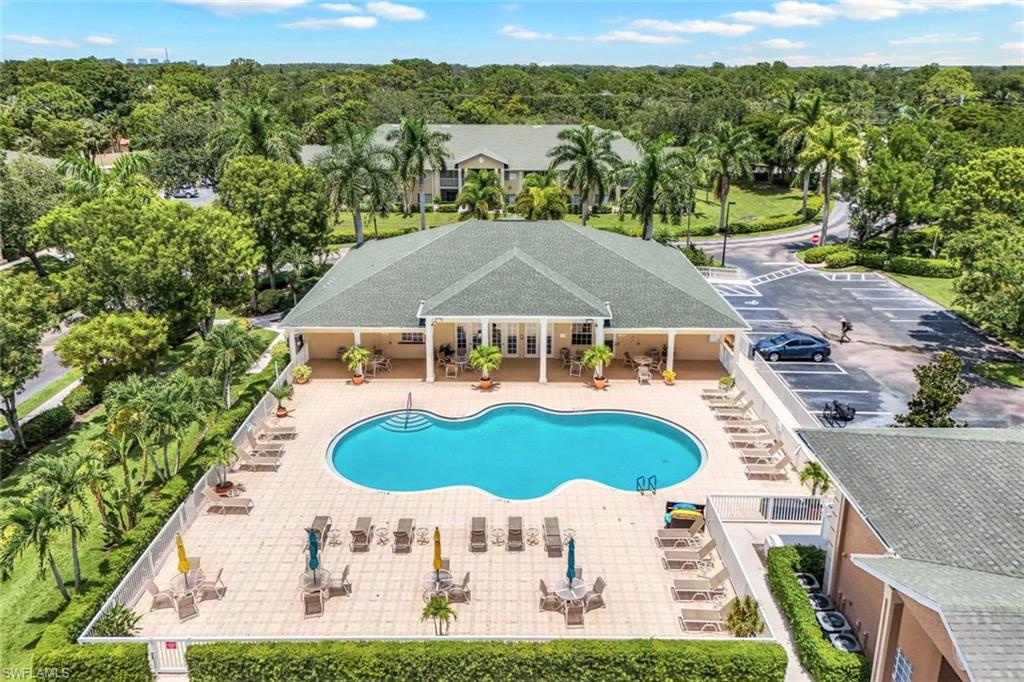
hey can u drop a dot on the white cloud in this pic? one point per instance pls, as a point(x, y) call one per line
point(783, 44)
point(717, 28)
point(232, 7)
point(346, 7)
point(1013, 47)
point(624, 36)
point(511, 7)
point(1019, 25)
point(523, 33)
point(100, 40)
point(358, 22)
point(876, 10)
point(150, 52)
point(395, 12)
point(789, 13)
point(39, 41)
point(935, 39)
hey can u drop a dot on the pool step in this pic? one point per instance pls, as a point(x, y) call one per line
point(399, 423)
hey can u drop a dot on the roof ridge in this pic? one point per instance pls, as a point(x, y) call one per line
point(560, 279)
point(973, 569)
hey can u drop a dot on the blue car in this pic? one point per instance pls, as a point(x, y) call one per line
point(793, 346)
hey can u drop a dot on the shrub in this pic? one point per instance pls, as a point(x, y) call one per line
point(924, 267)
point(272, 299)
point(454, 661)
point(841, 258)
point(119, 621)
point(81, 399)
point(107, 662)
point(11, 454)
point(447, 208)
point(817, 254)
point(47, 424)
point(824, 661)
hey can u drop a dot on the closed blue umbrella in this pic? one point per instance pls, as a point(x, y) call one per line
point(314, 553)
point(570, 573)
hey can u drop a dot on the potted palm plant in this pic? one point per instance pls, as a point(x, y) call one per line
point(355, 358)
point(669, 376)
point(745, 618)
point(282, 393)
point(486, 359)
point(596, 357)
point(222, 455)
point(301, 373)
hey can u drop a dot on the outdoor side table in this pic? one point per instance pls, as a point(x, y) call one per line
point(438, 582)
point(383, 536)
point(532, 536)
point(184, 584)
point(574, 592)
point(422, 535)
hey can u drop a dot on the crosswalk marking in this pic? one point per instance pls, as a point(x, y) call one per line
point(778, 274)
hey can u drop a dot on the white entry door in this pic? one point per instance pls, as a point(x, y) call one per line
point(505, 335)
point(531, 332)
point(467, 337)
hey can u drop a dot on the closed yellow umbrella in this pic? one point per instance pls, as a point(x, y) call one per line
point(183, 565)
point(437, 548)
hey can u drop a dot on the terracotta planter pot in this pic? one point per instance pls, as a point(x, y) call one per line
point(302, 381)
point(358, 379)
point(669, 382)
point(486, 384)
point(224, 489)
point(282, 411)
point(600, 384)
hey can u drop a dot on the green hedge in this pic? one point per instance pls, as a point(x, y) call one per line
point(95, 662)
point(839, 256)
point(38, 430)
point(824, 661)
point(452, 661)
point(81, 399)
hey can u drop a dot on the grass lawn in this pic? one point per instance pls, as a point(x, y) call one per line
point(395, 222)
point(28, 602)
point(1009, 373)
point(39, 397)
point(938, 289)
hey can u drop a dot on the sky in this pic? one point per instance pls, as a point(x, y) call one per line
point(856, 32)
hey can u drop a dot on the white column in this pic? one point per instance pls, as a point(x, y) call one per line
point(429, 339)
point(542, 350)
point(357, 338)
point(485, 331)
point(598, 332)
point(671, 348)
point(292, 350)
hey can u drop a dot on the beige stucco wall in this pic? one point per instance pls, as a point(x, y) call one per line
point(479, 161)
point(324, 345)
point(858, 594)
point(696, 347)
point(926, 644)
point(388, 343)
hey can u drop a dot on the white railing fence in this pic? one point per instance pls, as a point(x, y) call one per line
point(795, 406)
point(132, 586)
point(726, 274)
point(726, 357)
point(767, 508)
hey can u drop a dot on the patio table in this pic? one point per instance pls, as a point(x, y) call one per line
point(574, 592)
point(309, 584)
point(642, 359)
point(438, 582)
point(422, 535)
point(184, 584)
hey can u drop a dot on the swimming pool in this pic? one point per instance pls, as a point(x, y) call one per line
point(515, 452)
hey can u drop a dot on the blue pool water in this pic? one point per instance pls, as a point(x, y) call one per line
point(516, 452)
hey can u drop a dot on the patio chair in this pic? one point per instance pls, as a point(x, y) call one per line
point(643, 375)
point(370, 369)
point(162, 599)
point(276, 432)
point(361, 534)
point(657, 366)
point(752, 440)
point(215, 587)
point(478, 535)
point(444, 564)
point(734, 412)
point(313, 604)
point(194, 563)
point(727, 401)
point(224, 504)
point(705, 619)
point(514, 536)
point(261, 448)
point(574, 615)
point(776, 469)
point(769, 455)
point(186, 607)
point(460, 594)
point(257, 460)
point(579, 571)
point(321, 526)
point(679, 559)
point(575, 368)
point(451, 370)
point(384, 364)
point(403, 537)
point(675, 538)
point(552, 536)
point(549, 601)
point(627, 360)
point(594, 598)
point(689, 589)
point(340, 587)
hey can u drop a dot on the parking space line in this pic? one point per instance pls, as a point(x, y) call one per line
point(804, 371)
point(752, 307)
point(826, 390)
point(932, 309)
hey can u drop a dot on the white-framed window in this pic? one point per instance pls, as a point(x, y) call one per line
point(412, 337)
point(510, 175)
point(901, 668)
point(582, 334)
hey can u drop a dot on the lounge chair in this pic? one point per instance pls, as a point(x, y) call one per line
point(224, 504)
point(574, 615)
point(403, 537)
point(313, 604)
point(769, 455)
point(460, 593)
point(748, 439)
point(552, 536)
point(361, 534)
point(643, 375)
point(728, 401)
point(679, 559)
point(695, 526)
point(215, 587)
point(340, 587)
point(747, 426)
point(734, 412)
point(186, 607)
point(709, 393)
point(594, 598)
point(688, 589)
point(255, 446)
point(514, 536)
point(275, 432)
point(256, 460)
point(321, 526)
point(162, 599)
point(478, 535)
point(549, 601)
point(776, 469)
point(674, 538)
point(704, 618)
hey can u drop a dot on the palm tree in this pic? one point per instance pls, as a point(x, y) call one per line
point(588, 153)
point(229, 350)
point(87, 181)
point(733, 153)
point(744, 619)
point(127, 402)
point(357, 169)
point(32, 525)
point(800, 118)
point(542, 203)
point(440, 610)
point(190, 400)
point(816, 474)
point(831, 146)
point(540, 179)
point(649, 179)
point(481, 193)
point(416, 145)
point(251, 129)
point(63, 477)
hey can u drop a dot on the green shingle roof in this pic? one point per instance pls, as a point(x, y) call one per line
point(514, 268)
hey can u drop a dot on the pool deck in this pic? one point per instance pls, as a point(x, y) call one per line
point(262, 554)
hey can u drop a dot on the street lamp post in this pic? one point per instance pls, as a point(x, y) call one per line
point(725, 231)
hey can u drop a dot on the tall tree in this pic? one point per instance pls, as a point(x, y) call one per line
point(831, 147)
point(87, 181)
point(227, 352)
point(63, 476)
point(31, 525)
point(25, 314)
point(251, 129)
point(28, 191)
point(800, 118)
point(649, 179)
point(939, 390)
point(733, 153)
point(587, 152)
point(110, 346)
point(481, 194)
point(357, 170)
point(416, 146)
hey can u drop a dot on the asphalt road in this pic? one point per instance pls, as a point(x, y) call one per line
point(894, 330)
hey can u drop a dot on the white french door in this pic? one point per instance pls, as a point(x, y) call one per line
point(505, 335)
point(467, 337)
point(532, 341)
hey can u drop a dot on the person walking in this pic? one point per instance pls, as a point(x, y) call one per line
point(844, 330)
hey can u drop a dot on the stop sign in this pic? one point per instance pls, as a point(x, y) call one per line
point(815, 238)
